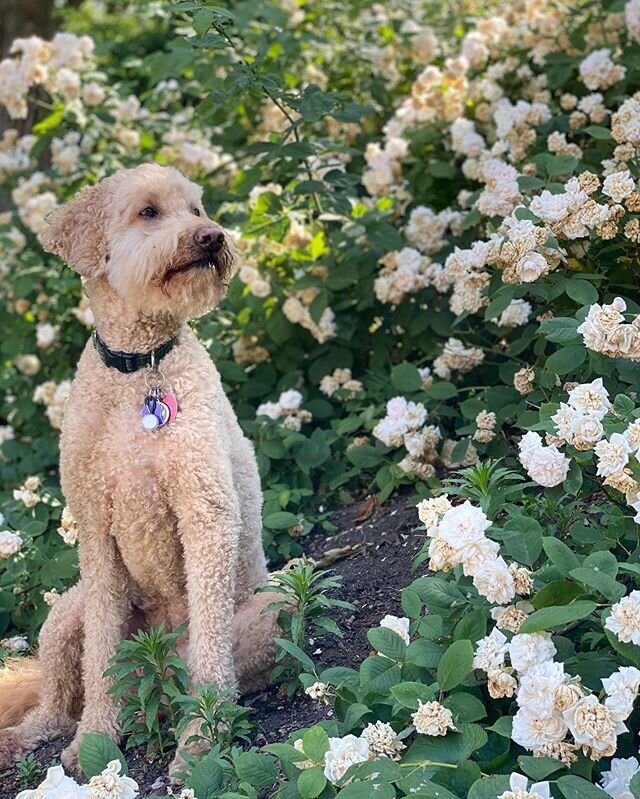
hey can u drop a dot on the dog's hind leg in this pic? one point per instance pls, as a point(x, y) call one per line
point(60, 659)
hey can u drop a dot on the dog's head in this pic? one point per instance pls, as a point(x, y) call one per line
point(146, 232)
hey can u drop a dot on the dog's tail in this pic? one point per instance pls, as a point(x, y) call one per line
point(20, 686)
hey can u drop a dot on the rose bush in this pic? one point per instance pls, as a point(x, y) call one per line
point(438, 265)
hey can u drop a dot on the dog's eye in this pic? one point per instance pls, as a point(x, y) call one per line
point(195, 211)
point(149, 212)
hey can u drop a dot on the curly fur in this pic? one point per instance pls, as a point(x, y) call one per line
point(170, 521)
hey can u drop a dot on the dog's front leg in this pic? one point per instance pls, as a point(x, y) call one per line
point(105, 614)
point(209, 526)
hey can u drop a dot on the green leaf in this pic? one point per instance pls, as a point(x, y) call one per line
point(454, 747)
point(408, 693)
point(472, 626)
point(582, 291)
point(206, 777)
point(557, 592)
point(539, 768)
point(455, 665)
point(405, 377)
point(560, 330)
point(296, 652)
point(557, 616)
point(465, 707)
point(365, 457)
point(432, 790)
point(489, 787)
point(441, 390)
point(378, 674)
point(280, 520)
point(387, 642)
point(96, 752)
point(424, 653)
point(311, 782)
point(365, 789)
point(560, 554)
point(255, 769)
point(522, 539)
point(567, 359)
point(503, 726)
point(202, 20)
point(411, 603)
point(315, 743)
point(561, 165)
point(573, 787)
point(598, 582)
point(597, 132)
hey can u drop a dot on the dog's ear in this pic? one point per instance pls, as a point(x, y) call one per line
point(76, 232)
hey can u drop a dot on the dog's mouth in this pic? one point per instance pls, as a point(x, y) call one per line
point(208, 262)
point(217, 264)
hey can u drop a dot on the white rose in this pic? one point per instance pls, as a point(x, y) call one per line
point(495, 582)
point(10, 544)
point(343, 753)
point(548, 466)
point(527, 650)
point(531, 266)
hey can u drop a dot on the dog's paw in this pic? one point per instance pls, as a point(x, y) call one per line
point(12, 747)
point(194, 748)
point(69, 756)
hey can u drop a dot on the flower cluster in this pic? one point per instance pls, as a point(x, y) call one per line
point(340, 384)
point(57, 66)
point(406, 272)
point(297, 310)
point(286, 408)
point(107, 785)
point(458, 538)
point(54, 397)
point(547, 466)
point(605, 330)
point(404, 425)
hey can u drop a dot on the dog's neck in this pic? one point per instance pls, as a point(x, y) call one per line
point(123, 327)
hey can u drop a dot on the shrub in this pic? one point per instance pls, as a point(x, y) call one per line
point(438, 268)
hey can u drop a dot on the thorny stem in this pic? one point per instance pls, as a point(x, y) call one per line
point(281, 107)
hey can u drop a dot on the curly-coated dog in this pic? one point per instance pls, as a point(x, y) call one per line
point(154, 466)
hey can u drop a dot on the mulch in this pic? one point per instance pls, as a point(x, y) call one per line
point(375, 548)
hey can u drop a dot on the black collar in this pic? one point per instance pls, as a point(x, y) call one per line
point(130, 361)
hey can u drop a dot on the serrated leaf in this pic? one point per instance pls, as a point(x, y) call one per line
point(455, 665)
point(96, 752)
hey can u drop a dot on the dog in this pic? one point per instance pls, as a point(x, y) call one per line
point(154, 468)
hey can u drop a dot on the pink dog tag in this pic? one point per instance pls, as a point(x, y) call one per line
point(172, 403)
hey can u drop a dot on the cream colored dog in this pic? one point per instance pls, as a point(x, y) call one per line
point(169, 519)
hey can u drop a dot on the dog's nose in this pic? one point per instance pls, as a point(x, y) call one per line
point(208, 237)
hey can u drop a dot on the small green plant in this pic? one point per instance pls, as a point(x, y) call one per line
point(149, 677)
point(488, 483)
point(29, 771)
point(222, 720)
point(304, 602)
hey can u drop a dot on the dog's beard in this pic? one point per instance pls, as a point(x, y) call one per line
point(197, 268)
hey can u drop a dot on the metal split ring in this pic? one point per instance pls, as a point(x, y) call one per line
point(157, 373)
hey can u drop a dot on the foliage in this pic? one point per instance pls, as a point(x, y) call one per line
point(438, 240)
point(305, 602)
point(150, 681)
point(28, 770)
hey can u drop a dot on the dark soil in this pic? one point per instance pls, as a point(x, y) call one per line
point(375, 564)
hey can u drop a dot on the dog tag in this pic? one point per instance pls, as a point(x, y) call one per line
point(150, 421)
point(162, 413)
point(172, 404)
